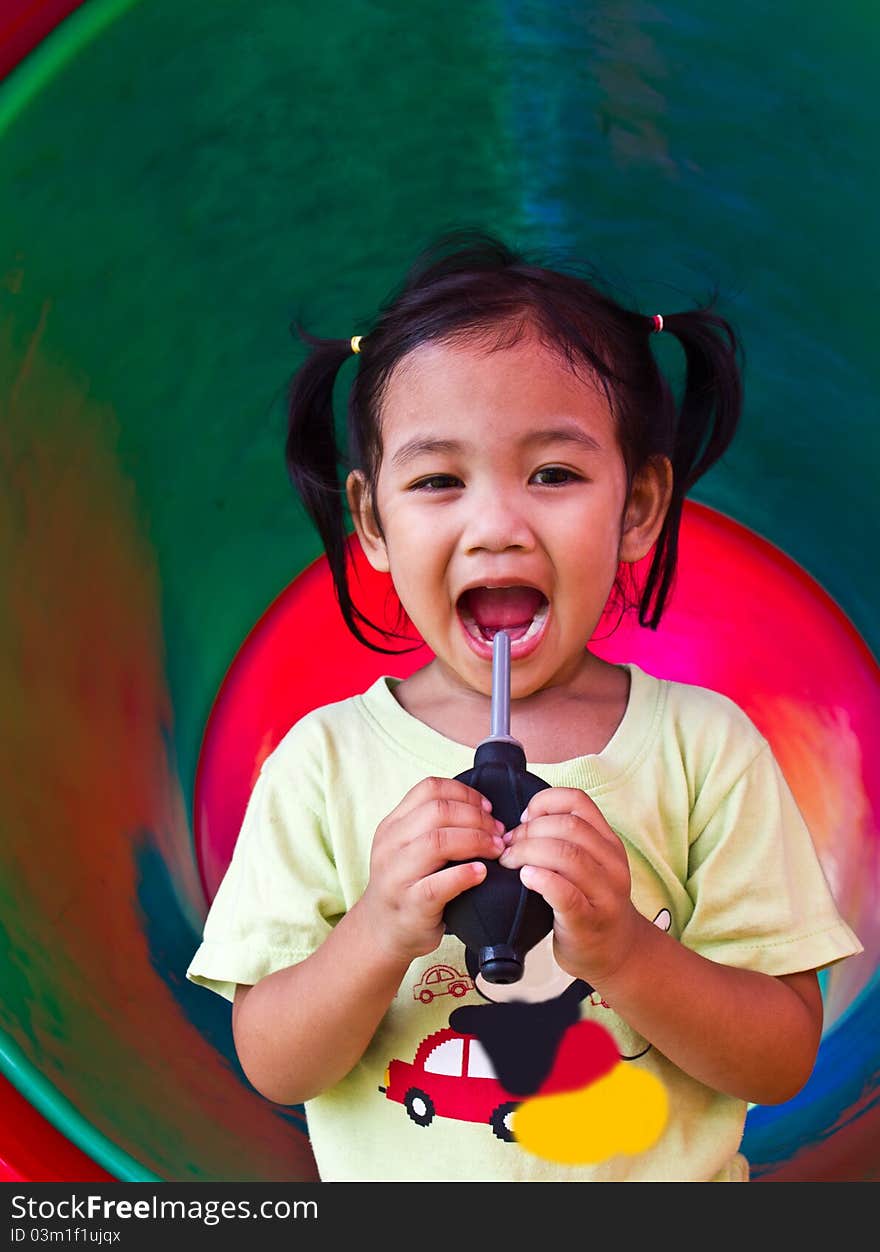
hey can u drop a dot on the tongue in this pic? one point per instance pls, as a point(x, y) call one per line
point(499, 608)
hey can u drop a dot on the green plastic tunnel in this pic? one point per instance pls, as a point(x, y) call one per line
point(178, 184)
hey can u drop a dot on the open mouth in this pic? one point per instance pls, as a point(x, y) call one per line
point(520, 611)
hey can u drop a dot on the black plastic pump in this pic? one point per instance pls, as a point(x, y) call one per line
point(500, 919)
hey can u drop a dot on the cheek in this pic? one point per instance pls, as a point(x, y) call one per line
point(589, 545)
point(417, 572)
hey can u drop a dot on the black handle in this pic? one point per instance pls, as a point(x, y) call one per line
point(500, 919)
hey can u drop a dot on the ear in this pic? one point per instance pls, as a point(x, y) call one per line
point(646, 509)
point(361, 505)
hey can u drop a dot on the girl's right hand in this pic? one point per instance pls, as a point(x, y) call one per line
point(411, 881)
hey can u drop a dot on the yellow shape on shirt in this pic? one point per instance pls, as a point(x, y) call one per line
point(623, 1112)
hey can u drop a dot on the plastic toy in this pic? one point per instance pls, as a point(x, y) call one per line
point(500, 918)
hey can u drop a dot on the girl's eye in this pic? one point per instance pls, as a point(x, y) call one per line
point(437, 478)
point(446, 479)
point(557, 469)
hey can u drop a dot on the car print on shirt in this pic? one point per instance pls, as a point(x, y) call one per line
point(441, 980)
point(537, 1046)
point(452, 1076)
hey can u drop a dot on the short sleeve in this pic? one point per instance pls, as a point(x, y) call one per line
point(280, 896)
point(760, 897)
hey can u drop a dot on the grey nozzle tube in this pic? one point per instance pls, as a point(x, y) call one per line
point(501, 685)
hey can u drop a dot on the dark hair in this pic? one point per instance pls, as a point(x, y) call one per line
point(466, 284)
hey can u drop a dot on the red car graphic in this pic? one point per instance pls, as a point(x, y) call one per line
point(452, 1076)
point(441, 980)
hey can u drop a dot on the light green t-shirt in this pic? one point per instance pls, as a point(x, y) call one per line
point(719, 855)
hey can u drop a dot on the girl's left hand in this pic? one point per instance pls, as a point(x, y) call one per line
point(568, 853)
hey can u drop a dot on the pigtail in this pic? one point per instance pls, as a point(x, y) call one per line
point(313, 459)
point(707, 421)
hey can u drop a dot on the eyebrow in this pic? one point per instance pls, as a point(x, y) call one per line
point(536, 438)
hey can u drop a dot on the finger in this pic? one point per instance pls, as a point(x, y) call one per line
point(436, 788)
point(439, 845)
point(439, 888)
point(571, 860)
point(403, 827)
point(448, 811)
point(553, 800)
point(568, 826)
point(564, 898)
point(568, 800)
point(445, 811)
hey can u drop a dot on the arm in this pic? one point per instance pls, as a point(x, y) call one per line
point(301, 1029)
point(748, 1034)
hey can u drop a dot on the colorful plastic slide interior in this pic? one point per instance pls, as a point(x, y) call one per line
point(180, 182)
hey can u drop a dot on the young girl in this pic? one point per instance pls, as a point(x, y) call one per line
point(514, 448)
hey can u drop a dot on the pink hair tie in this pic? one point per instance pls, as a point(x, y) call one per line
point(658, 323)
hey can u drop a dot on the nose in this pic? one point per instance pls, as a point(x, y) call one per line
point(497, 521)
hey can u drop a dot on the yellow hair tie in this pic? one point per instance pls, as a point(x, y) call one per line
point(356, 343)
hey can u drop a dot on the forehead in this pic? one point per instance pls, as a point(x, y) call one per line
point(468, 386)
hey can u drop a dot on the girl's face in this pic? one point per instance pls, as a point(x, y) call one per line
point(498, 468)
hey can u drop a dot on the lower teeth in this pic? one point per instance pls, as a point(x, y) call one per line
point(537, 622)
point(490, 632)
